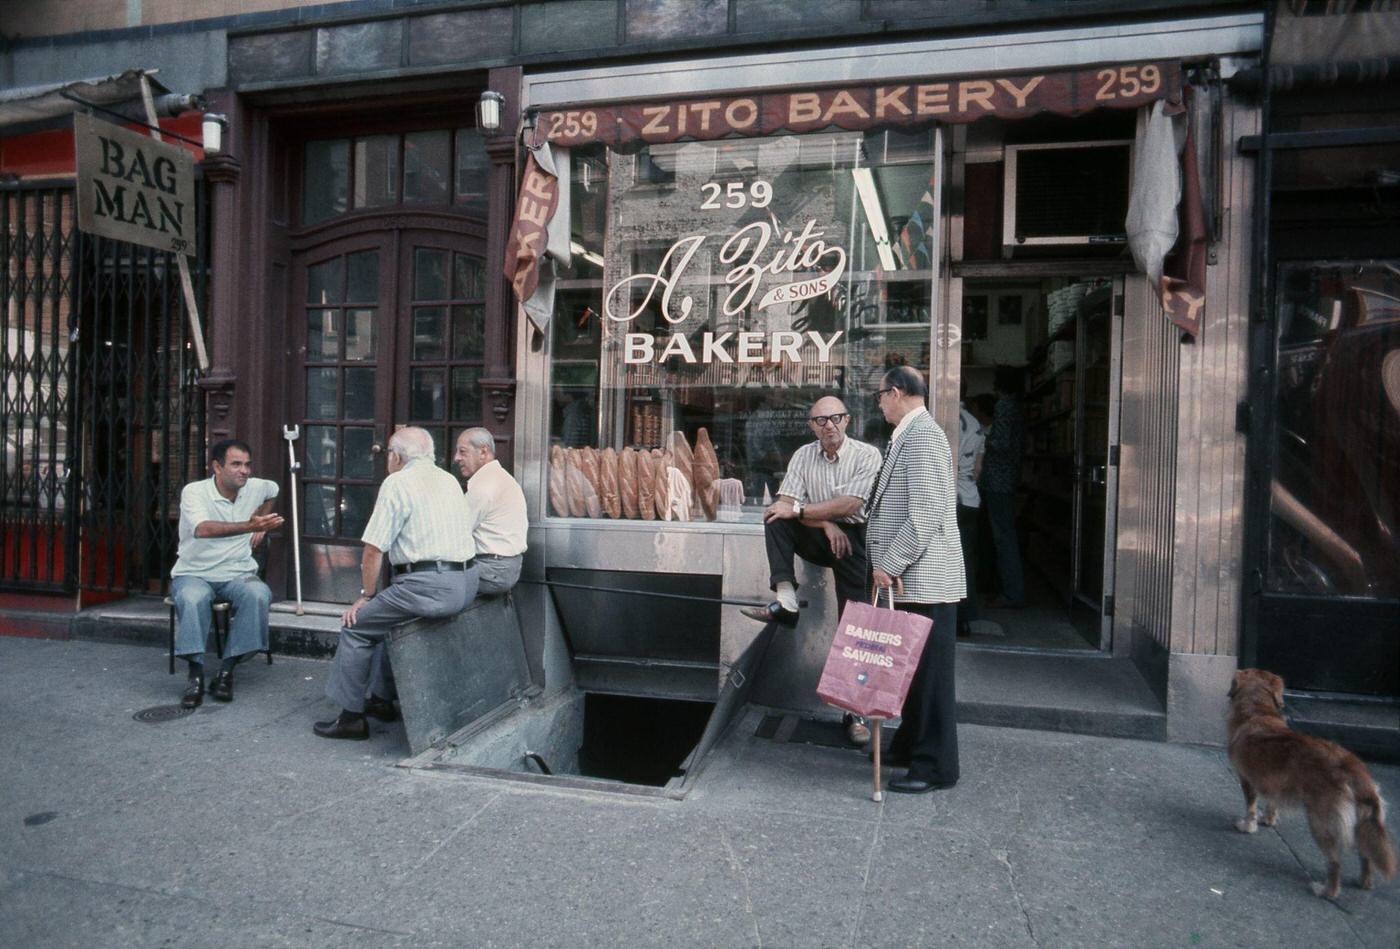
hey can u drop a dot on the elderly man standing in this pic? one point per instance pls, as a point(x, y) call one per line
point(915, 549)
point(420, 521)
point(495, 512)
point(222, 519)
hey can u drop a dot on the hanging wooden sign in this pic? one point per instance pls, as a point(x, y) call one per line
point(132, 187)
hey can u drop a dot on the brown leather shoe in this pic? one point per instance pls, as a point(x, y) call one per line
point(772, 613)
point(857, 731)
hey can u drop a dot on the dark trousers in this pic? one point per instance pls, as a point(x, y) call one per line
point(784, 538)
point(928, 731)
point(967, 533)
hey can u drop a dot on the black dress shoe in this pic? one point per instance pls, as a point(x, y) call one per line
point(908, 785)
point(356, 729)
point(222, 687)
point(772, 613)
point(381, 709)
point(193, 695)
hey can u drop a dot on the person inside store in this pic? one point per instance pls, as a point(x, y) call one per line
point(973, 417)
point(818, 516)
point(912, 540)
point(223, 519)
point(420, 522)
point(1001, 476)
point(495, 512)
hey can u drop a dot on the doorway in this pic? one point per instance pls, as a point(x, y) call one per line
point(1041, 373)
point(391, 324)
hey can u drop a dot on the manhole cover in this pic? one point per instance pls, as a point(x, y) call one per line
point(161, 713)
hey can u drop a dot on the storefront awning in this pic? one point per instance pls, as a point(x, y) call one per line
point(37, 103)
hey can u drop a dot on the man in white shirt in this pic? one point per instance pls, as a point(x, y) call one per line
point(222, 519)
point(972, 441)
point(420, 521)
point(495, 511)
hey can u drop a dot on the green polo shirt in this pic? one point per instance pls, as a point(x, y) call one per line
point(218, 558)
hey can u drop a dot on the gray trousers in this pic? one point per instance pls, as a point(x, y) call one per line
point(498, 574)
point(361, 663)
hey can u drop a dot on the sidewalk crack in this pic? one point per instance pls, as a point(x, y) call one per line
point(865, 881)
point(453, 836)
point(1004, 858)
point(738, 868)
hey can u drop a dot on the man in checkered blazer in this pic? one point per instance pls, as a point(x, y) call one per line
point(912, 540)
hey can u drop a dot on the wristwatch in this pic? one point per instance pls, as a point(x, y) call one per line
point(367, 594)
point(797, 508)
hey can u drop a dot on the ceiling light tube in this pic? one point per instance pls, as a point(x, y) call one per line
point(874, 216)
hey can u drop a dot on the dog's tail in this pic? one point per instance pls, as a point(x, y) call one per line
point(1371, 838)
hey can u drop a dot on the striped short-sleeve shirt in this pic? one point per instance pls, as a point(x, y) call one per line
point(421, 514)
point(812, 478)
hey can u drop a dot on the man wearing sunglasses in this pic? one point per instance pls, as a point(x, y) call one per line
point(819, 517)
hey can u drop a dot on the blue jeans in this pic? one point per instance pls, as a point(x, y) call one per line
point(1001, 511)
point(193, 596)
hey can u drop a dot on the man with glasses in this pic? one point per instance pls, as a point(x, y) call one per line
point(915, 549)
point(818, 516)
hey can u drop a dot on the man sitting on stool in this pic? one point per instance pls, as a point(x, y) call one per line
point(420, 520)
point(222, 519)
point(819, 516)
point(495, 511)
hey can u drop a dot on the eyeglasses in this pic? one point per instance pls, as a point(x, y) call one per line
point(880, 394)
point(820, 420)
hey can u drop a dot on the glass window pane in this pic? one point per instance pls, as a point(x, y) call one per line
point(426, 156)
point(325, 180)
point(1335, 498)
point(325, 282)
point(468, 332)
point(363, 285)
point(359, 334)
point(466, 394)
point(358, 458)
point(319, 510)
point(321, 394)
point(359, 393)
point(472, 171)
point(319, 460)
point(356, 503)
point(754, 325)
point(322, 335)
point(466, 277)
point(440, 447)
point(429, 274)
point(376, 171)
point(427, 402)
point(429, 332)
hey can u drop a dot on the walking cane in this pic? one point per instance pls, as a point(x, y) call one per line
point(291, 433)
point(879, 795)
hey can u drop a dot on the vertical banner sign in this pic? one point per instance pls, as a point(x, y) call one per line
point(133, 188)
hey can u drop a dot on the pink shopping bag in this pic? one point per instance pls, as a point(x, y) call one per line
point(872, 659)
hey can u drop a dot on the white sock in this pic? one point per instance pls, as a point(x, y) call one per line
point(787, 596)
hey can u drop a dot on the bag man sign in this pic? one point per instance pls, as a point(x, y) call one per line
point(133, 188)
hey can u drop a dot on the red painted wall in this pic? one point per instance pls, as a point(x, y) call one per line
point(49, 154)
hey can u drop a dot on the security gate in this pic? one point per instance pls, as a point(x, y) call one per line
point(101, 417)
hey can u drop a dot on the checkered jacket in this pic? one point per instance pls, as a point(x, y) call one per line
point(913, 524)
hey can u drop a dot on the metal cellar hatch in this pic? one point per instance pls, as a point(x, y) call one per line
point(590, 679)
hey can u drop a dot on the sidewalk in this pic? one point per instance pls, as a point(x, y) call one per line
point(236, 827)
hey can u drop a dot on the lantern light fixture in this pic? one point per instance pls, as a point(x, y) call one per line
point(214, 125)
point(488, 110)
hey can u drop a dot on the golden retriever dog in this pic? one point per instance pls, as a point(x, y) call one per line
point(1342, 803)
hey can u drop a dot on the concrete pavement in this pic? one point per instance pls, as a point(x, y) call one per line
point(235, 826)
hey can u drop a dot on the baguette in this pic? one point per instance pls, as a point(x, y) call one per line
point(627, 483)
point(661, 483)
point(607, 472)
point(706, 479)
point(646, 486)
point(558, 482)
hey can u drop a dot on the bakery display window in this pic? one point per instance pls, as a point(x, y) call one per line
point(716, 289)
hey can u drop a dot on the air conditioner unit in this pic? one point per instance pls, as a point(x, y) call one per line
point(1066, 194)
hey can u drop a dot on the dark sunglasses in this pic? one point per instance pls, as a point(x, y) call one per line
point(821, 420)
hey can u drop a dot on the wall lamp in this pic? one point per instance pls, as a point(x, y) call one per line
point(488, 110)
point(214, 125)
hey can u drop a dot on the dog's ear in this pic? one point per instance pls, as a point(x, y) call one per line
point(1234, 686)
point(1276, 691)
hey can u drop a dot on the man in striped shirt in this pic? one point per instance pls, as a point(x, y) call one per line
point(818, 514)
point(420, 520)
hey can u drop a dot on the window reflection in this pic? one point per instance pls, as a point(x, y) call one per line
point(1335, 498)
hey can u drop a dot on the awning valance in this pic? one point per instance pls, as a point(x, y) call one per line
point(857, 106)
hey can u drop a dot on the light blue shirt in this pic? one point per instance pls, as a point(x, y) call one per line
point(218, 558)
point(421, 514)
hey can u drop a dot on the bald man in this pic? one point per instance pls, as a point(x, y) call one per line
point(819, 515)
point(420, 522)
